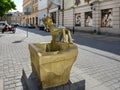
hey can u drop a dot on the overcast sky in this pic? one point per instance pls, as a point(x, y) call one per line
point(18, 5)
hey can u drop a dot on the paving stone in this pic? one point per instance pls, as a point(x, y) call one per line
point(19, 88)
point(1, 84)
point(101, 65)
point(18, 84)
point(12, 86)
point(10, 89)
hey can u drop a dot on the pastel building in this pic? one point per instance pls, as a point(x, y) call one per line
point(43, 10)
point(101, 16)
point(26, 3)
point(30, 6)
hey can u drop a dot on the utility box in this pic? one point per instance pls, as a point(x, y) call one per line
point(52, 61)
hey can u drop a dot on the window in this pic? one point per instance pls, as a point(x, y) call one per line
point(87, 1)
point(77, 19)
point(77, 2)
point(53, 16)
point(35, 9)
point(106, 18)
point(88, 19)
point(35, 1)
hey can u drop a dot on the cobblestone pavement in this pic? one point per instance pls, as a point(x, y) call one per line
point(100, 69)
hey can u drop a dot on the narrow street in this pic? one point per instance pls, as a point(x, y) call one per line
point(98, 61)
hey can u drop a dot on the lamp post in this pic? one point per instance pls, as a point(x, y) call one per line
point(27, 12)
point(27, 21)
point(73, 20)
point(59, 7)
point(62, 12)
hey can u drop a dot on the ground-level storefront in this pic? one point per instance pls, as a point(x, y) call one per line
point(101, 17)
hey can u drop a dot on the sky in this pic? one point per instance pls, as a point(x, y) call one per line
point(18, 5)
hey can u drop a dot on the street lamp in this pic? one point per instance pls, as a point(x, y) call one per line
point(62, 12)
point(59, 8)
point(27, 12)
point(73, 20)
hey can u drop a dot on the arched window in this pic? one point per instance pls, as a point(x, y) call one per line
point(77, 2)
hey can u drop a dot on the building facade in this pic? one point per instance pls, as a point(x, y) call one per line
point(100, 16)
point(33, 19)
point(14, 17)
point(26, 3)
point(30, 12)
point(42, 10)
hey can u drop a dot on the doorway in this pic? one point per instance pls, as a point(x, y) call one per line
point(53, 16)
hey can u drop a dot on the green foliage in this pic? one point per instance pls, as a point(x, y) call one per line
point(5, 6)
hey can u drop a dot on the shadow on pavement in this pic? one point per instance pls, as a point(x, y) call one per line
point(2, 36)
point(32, 83)
point(19, 41)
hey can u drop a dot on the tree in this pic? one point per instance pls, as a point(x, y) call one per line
point(5, 6)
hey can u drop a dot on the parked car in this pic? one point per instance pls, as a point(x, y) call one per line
point(31, 26)
point(15, 24)
point(2, 24)
point(41, 27)
point(4, 27)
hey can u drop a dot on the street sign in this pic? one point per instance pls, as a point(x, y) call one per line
point(27, 10)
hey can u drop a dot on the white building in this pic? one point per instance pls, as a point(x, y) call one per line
point(98, 15)
point(42, 10)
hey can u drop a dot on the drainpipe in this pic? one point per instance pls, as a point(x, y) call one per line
point(62, 12)
point(47, 7)
point(73, 20)
point(98, 5)
point(58, 13)
point(94, 7)
point(119, 17)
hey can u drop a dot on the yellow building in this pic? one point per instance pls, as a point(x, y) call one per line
point(31, 18)
point(26, 3)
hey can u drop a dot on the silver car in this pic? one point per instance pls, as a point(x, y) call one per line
point(2, 24)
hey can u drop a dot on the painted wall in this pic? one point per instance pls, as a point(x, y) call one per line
point(68, 4)
point(83, 9)
point(68, 18)
point(42, 8)
point(42, 4)
point(97, 14)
